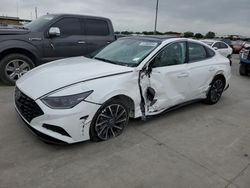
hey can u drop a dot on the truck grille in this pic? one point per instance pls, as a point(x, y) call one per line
point(27, 106)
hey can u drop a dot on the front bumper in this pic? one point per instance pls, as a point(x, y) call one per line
point(72, 125)
point(43, 136)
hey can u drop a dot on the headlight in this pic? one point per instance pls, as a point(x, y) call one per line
point(65, 102)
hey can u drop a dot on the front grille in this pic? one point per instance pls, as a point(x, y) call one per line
point(27, 106)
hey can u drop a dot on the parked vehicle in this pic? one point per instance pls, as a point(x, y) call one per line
point(227, 41)
point(245, 61)
point(220, 46)
point(48, 38)
point(134, 77)
point(237, 46)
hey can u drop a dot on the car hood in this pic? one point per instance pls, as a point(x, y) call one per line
point(55, 75)
point(13, 31)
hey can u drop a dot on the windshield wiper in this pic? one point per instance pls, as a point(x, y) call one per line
point(115, 62)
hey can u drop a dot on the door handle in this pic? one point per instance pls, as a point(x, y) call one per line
point(211, 69)
point(81, 42)
point(108, 42)
point(183, 74)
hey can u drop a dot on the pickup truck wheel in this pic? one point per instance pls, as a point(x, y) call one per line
point(13, 66)
point(243, 70)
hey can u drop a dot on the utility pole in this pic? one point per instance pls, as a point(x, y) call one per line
point(156, 16)
point(17, 8)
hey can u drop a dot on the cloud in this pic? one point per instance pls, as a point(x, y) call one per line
point(223, 17)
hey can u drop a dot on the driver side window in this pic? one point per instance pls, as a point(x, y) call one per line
point(69, 26)
point(174, 54)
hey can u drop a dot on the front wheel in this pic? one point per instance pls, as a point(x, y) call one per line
point(109, 121)
point(13, 66)
point(216, 89)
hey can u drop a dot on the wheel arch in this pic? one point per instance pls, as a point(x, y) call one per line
point(126, 100)
point(22, 51)
point(220, 75)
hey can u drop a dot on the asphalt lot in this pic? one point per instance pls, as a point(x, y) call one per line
point(195, 146)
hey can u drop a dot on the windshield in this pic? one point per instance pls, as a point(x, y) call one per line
point(127, 51)
point(39, 23)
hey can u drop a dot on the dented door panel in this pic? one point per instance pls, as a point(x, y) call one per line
point(171, 85)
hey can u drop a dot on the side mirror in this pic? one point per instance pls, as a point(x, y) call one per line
point(54, 32)
point(215, 48)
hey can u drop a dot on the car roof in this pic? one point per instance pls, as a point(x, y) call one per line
point(157, 38)
point(210, 40)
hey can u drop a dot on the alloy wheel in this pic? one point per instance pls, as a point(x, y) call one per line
point(16, 68)
point(111, 121)
point(216, 90)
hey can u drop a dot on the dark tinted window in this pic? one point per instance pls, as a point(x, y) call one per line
point(174, 54)
point(217, 45)
point(96, 27)
point(197, 52)
point(222, 45)
point(69, 26)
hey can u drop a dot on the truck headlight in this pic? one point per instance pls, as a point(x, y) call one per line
point(65, 102)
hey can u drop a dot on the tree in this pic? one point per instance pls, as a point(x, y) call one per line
point(198, 36)
point(172, 33)
point(148, 32)
point(126, 32)
point(210, 35)
point(188, 34)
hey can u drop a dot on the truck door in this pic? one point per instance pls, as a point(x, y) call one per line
point(98, 34)
point(71, 41)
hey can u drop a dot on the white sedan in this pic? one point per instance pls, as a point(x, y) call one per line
point(220, 46)
point(78, 99)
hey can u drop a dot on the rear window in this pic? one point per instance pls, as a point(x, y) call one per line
point(197, 52)
point(222, 45)
point(210, 53)
point(96, 27)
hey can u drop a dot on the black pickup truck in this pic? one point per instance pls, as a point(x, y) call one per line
point(48, 38)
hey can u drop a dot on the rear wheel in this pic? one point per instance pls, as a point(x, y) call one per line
point(13, 66)
point(216, 89)
point(243, 70)
point(109, 121)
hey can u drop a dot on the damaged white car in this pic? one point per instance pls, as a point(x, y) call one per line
point(77, 99)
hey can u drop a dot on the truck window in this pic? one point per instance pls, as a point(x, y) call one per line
point(96, 27)
point(69, 26)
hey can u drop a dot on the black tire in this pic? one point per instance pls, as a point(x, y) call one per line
point(243, 70)
point(109, 122)
point(216, 89)
point(8, 69)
